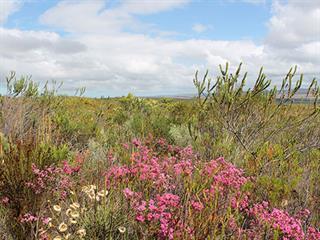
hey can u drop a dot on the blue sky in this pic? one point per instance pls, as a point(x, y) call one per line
point(27, 17)
point(154, 47)
point(228, 20)
point(225, 20)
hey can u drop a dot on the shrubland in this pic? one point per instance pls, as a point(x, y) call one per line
point(231, 163)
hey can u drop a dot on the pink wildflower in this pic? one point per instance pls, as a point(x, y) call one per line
point(68, 169)
point(197, 205)
point(28, 217)
point(136, 142)
point(4, 200)
point(140, 218)
point(313, 234)
point(128, 193)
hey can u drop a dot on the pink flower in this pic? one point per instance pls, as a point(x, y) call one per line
point(142, 206)
point(28, 217)
point(136, 142)
point(125, 146)
point(128, 193)
point(197, 205)
point(278, 219)
point(49, 179)
point(140, 218)
point(168, 199)
point(46, 220)
point(313, 234)
point(149, 216)
point(68, 169)
point(4, 200)
point(168, 175)
point(184, 167)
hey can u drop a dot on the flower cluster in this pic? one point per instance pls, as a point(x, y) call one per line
point(159, 211)
point(44, 178)
point(225, 175)
point(173, 194)
point(64, 221)
point(279, 221)
point(50, 180)
point(4, 200)
point(150, 166)
point(166, 192)
point(92, 192)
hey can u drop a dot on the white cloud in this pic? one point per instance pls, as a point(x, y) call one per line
point(117, 63)
point(16, 41)
point(97, 16)
point(294, 34)
point(199, 28)
point(150, 6)
point(99, 54)
point(8, 7)
point(84, 16)
point(294, 23)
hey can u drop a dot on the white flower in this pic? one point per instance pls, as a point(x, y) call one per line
point(92, 196)
point(57, 208)
point(74, 214)
point(68, 212)
point(63, 227)
point(122, 229)
point(75, 205)
point(85, 189)
point(81, 232)
point(67, 236)
point(57, 238)
point(103, 193)
point(73, 221)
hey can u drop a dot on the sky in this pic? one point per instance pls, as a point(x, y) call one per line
point(154, 47)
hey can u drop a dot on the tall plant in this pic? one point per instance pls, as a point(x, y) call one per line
point(254, 115)
point(26, 138)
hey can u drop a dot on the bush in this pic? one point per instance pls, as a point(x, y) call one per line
point(58, 155)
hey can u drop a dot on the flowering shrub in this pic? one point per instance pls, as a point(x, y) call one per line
point(64, 219)
point(49, 179)
point(174, 195)
point(156, 191)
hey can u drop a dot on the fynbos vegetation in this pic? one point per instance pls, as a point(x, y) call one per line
point(232, 163)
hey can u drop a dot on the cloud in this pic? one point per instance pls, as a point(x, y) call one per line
point(38, 53)
point(7, 7)
point(16, 41)
point(101, 17)
point(117, 64)
point(99, 53)
point(199, 28)
point(294, 34)
point(294, 23)
point(150, 6)
point(84, 17)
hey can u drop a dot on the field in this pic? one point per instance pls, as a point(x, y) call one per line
point(230, 163)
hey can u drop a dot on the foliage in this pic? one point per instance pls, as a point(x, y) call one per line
point(83, 154)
